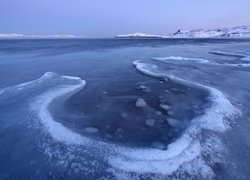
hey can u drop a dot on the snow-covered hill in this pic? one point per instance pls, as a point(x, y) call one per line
point(23, 36)
point(236, 32)
point(139, 35)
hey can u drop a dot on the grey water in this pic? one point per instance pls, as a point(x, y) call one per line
point(106, 109)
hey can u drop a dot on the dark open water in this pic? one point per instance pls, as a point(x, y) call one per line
point(124, 109)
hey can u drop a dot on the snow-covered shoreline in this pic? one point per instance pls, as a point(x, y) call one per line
point(221, 33)
point(24, 36)
point(139, 35)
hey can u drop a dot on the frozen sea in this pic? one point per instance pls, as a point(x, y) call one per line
point(125, 109)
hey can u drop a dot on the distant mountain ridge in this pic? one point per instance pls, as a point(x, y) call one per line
point(138, 35)
point(235, 32)
point(24, 36)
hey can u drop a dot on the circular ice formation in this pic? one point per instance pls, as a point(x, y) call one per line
point(40, 105)
point(139, 160)
point(185, 149)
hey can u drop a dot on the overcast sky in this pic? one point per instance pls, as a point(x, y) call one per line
point(106, 18)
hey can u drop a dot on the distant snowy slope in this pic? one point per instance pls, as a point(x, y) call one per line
point(138, 35)
point(236, 32)
point(23, 36)
point(11, 35)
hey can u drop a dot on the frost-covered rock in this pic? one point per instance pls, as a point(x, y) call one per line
point(123, 114)
point(150, 122)
point(144, 88)
point(104, 92)
point(108, 136)
point(165, 106)
point(158, 112)
point(173, 122)
point(158, 145)
point(119, 131)
point(140, 103)
point(91, 130)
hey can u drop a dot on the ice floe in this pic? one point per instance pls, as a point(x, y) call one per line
point(91, 130)
point(150, 122)
point(140, 102)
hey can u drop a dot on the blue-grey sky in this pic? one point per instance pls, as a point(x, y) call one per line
point(106, 18)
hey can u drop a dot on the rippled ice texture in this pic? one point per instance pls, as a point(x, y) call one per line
point(124, 109)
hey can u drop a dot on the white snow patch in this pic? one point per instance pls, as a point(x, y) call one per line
point(178, 58)
point(56, 129)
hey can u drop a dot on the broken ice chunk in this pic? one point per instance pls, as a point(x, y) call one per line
point(173, 122)
point(158, 112)
point(144, 88)
point(119, 131)
point(108, 136)
point(165, 107)
point(91, 130)
point(123, 114)
point(158, 145)
point(150, 122)
point(140, 102)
